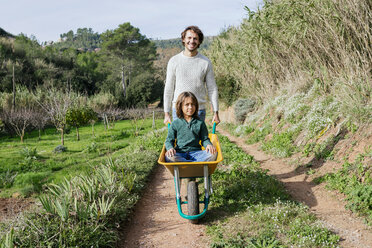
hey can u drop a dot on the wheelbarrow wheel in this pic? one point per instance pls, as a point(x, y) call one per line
point(193, 199)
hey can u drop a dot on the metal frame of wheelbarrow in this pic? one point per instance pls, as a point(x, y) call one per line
point(193, 170)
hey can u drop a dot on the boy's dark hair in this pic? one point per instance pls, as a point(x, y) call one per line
point(181, 98)
point(195, 29)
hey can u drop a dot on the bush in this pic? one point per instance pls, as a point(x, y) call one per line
point(28, 153)
point(242, 107)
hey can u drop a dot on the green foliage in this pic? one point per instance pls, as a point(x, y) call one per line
point(260, 133)
point(84, 38)
point(86, 210)
point(28, 153)
point(40, 156)
point(126, 59)
point(92, 148)
point(292, 46)
point(177, 42)
point(7, 179)
point(228, 90)
point(253, 210)
point(355, 181)
point(281, 144)
point(129, 57)
point(78, 116)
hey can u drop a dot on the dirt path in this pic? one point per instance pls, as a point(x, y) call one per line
point(156, 222)
point(322, 202)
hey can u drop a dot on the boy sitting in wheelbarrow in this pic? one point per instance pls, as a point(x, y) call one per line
point(187, 131)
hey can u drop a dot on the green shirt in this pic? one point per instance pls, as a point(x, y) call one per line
point(187, 135)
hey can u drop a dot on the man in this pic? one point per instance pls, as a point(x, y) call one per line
point(190, 71)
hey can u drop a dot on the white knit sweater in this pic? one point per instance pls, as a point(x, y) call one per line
point(193, 74)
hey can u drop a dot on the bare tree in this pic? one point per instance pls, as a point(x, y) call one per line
point(56, 106)
point(19, 119)
point(110, 115)
point(39, 120)
point(137, 118)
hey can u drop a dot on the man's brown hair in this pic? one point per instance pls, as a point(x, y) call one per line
point(181, 98)
point(195, 29)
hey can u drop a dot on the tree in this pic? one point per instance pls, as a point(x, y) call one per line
point(39, 120)
point(87, 72)
point(56, 105)
point(126, 54)
point(19, 119)
point(79, 116)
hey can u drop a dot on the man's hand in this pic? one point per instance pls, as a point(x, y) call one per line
point(216, 118)
point(170, 153)
point(211, 149)
point(167, 118)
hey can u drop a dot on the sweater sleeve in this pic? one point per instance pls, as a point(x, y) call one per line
point(170, 83)
point(204, 135)
point(171, 138)
point(212, 87)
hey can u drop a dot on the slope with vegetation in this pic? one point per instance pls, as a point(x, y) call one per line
point(302, 70)
point(123, 67)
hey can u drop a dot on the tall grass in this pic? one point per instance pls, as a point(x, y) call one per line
point(291, 45)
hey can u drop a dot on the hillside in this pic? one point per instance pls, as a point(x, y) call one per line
point(4, 33)
point(297, 83)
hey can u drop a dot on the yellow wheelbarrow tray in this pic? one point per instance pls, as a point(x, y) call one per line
point(193, 170)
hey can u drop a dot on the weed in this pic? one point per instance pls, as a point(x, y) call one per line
point(310, 172)
point(354, 180)
point(308, 148)
point(260, 133)
point(28, 153)
point(251, 209)
point(7, 179)
point(92, 148)
point(281, 144)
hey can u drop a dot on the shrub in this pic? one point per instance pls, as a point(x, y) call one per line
point(7, 179)
point(28, 153)
point(242, 107)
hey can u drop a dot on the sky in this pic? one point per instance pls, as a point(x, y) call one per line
point(156, 19)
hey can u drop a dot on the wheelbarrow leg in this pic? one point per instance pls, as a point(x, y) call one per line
point(206, 182)
point(177, 182)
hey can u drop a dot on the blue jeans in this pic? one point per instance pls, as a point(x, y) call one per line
point(195, 156)
point(201, 114)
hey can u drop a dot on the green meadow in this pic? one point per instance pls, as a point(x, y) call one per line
point(26, 167)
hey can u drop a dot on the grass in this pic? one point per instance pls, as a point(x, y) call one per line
point(33, 164)
point(292, 47)
point(87, 209)
point(281, 145)
point(249, 208)
point(355, 181)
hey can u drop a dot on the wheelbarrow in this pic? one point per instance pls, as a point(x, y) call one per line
point(191, 171)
